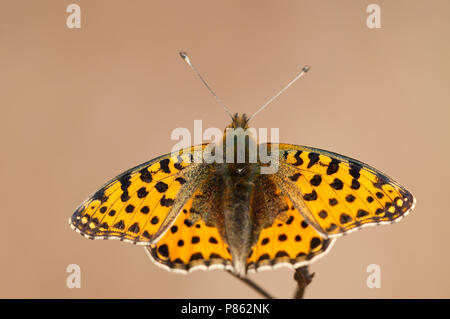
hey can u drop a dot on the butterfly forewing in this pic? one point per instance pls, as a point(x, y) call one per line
point(338, 193)
point(141, 203)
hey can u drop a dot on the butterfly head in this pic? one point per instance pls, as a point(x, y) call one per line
point(239, 121)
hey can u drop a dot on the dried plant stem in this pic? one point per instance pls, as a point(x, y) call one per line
point(253, 285)
point(301, 275)
point(303, 278)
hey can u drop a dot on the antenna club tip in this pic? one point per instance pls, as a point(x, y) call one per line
point(306, 68)
point(185, 57)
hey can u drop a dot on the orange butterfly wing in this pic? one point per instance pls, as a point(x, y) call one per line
point(289, 241)
point(140, 204)
point(337, 194)
point(190, 245)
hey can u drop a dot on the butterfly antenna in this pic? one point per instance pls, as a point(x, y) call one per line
point(185, 57)
point(298, 76)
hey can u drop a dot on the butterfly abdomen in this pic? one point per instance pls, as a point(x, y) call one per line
point(238, 221)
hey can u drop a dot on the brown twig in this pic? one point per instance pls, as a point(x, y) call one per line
point(303, 278)
point(301, 275)
point(253, 285)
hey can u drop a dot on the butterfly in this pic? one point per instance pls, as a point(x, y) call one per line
point(228, 215)
point(193, 214)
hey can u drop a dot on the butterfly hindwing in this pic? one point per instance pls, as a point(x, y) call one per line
point(336, 193)
point(139, 204)
point(290, 240)
point(190, 244)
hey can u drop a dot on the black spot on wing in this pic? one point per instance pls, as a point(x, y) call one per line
point(124, 197)
point(316, 180)
point(120, 225)
point(215, 256)
point(332, 227)
point(145, 175)
point(315, 242)
point(166, 202)
point(290, 220)
point(350, 198)
point(142, 192)
point(100, 195)
point(281, 253)
point(164, 164)
point(311, 196)
point(313, 159)
point(361, 213)
point(344, 218)
point(196, 256)
point(355, 169)
point(381, 180)
point(125, 182)
point(161, 187)
point(163, 250)
point(299, 160)
point(134, 228)
point(146, 234)
point(355, 184)
point(337, 184)
point(180, 180)
point(323, 214)
point(104, 225)
point(178, 166)
point(333, 167)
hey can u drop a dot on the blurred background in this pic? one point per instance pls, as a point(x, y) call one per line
point(79, 106)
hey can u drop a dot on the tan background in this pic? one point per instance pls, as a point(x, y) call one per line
point(80, 106)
